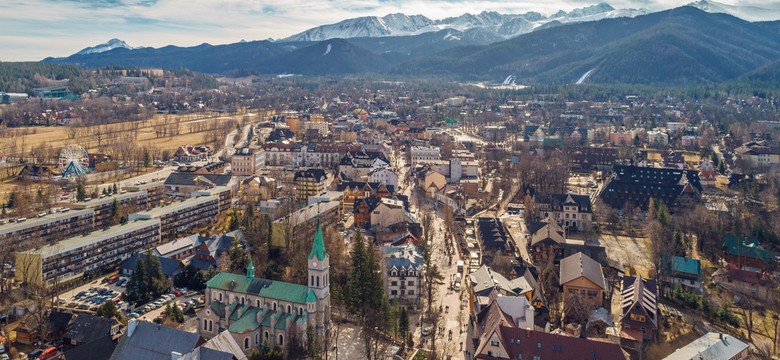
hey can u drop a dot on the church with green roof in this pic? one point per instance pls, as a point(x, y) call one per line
point(259, 311)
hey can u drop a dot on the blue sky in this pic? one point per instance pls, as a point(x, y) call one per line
point(34, 29)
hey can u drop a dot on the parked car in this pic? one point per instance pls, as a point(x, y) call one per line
point(49, 353)
point(35, 354)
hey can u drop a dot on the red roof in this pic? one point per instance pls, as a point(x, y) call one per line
point(532, 343)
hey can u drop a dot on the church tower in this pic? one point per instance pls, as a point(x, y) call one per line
point(319, 280)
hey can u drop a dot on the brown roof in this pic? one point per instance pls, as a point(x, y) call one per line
point(579, 265)
point(532, 343)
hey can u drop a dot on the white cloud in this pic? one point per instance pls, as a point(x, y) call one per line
point(34, 29)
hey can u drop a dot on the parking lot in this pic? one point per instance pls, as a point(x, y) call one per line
point(89, 297)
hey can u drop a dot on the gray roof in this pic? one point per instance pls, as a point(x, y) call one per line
point(403, 257)
point(46, 219)
point(150, 341)
point(550, 230)
point(710, 347)
point(188, 179)
point(579, 265)
point(167, 209)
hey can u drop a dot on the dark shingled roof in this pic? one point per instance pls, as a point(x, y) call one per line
point(87, 328)
point(170, 267)
point(637, 185)
point(154, 342)
point(100, 349)
point(556, 201)
point(316, 174)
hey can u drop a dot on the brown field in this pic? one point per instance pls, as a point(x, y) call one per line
point(191, 129)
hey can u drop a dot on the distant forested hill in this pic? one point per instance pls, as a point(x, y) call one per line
point(22, 77)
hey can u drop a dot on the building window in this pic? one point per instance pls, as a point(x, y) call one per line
point(274, 306)
point(205, 325)
point(493, 343)
point(411, 283)
point(289, 309)
point(318, 281)
point(281, 340)
point(246, 343)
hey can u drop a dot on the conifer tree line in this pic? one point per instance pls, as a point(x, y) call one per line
point(147, 282)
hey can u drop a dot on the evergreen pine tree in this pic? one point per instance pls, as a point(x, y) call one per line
point(11, 200)
point(403, 324)
point(81, 191)
point(114, 212)
point(135, 290)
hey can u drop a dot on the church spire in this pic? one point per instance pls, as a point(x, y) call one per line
point(250, 269)
point(318, 246)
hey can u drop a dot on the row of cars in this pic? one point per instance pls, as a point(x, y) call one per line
point(93, 298)
point(164, 299)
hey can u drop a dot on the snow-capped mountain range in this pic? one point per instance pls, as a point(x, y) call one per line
point(766, 12)
point(107, 46)
point(496, 25)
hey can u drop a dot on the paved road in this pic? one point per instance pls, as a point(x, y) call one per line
point(455, 315)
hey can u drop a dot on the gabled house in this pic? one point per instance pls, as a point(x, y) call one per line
point(639, 304)
point(86, 328)
point(430, 180)
point(388, 212)
point(360, 190)
point(170, 267)
point(682, 271)
point(547, 240)
point(583, 285)
point(574, 212)
point(509, 311)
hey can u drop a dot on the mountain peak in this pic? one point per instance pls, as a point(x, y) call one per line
point(109, 45)
point(764, 12)
point(500, 26)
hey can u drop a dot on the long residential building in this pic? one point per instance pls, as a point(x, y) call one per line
point(48, 228)
point(180, 217)
point(67, 259)
point(133, 201)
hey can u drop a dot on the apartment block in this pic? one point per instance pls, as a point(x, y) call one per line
point(180, 217)
point(70, 258)
point(423, 154)
point(132, 201)
point(246, 162)
point(60, 225)
point(155, 192)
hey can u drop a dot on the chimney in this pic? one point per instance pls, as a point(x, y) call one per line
point(175, 355)
point(131, 325)
point(720, 335)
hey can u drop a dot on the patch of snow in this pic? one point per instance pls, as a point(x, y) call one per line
point(327, 49)
point(585, 76)
point(107, 46)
